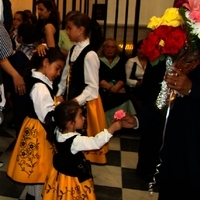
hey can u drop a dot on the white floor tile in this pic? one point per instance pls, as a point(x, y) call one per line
point(7, 198)
point(114, 144)
point(23, 195)
point(138, 195)
point(107, 176)
point(129, 159)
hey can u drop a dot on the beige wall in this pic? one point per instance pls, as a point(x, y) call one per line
point(148, 8)
point(21, 5)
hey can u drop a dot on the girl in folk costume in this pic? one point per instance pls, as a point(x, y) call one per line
point(70, 177)
point(48, 27)
point(33, 153)
point(82, 75)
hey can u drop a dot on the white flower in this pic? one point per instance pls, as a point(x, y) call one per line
point(195, 26)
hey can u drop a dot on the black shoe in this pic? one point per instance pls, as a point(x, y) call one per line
point(1, 164)
point(29, 197)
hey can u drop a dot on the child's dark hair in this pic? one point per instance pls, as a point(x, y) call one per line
point(32, 17)
point(80, 19)
point(52, 54)
point(65, 112)
point(28, 32)
point(70, 13)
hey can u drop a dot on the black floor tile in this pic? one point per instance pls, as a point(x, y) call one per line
point(131, 180)
point(108, 193)
point(10, 188)
point(113, 158)
point(126, 132)
point(3, 133)
point(128, 144)
point(11, 146)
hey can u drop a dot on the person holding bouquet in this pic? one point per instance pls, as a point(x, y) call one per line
point(178, 170)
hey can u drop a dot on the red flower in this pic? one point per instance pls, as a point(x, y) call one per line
point(150, 46)
point(174, 42)
point(163, 31)
point(165, 40)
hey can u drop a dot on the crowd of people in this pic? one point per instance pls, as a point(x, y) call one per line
point(65, 92)
point(41, 61)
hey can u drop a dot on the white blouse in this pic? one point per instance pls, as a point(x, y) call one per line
point(84, 143)
point(138, 73)
point(91, 74)
point(42, 100)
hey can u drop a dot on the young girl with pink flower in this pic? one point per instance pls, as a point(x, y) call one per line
point(70, 176)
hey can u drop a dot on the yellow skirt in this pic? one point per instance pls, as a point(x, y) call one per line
point(96, 122)
point(32, 156)
point(59, 186)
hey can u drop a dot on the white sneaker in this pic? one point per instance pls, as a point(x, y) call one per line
point(1, 164)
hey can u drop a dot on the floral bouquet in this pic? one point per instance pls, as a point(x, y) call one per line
point(175, 37)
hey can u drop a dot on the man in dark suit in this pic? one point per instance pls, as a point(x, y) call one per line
point(150, 136)
point(179, 171)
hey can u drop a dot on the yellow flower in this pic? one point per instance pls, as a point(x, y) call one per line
point(161, 43)
point(154, 22)
point(171, 17)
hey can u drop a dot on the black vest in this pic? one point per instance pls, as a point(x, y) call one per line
point(32, 81)
point(77, 78)
point(74, 165)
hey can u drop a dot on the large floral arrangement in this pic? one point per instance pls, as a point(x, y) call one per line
point(167, 36)
point(175, 35)
point(170, 34)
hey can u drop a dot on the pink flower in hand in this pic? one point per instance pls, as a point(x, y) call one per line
point(119, 114)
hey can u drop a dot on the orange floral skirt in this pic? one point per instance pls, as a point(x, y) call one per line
point(33, 154)
point(96, 122)
point(60, 186)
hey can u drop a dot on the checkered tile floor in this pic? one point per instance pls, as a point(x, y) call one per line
point(117, 180)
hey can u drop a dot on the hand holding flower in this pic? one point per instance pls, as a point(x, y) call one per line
point(119, 115)
point(115, 126)
point(129, 121)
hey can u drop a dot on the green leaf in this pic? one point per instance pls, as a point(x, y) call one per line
point(155, 62)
